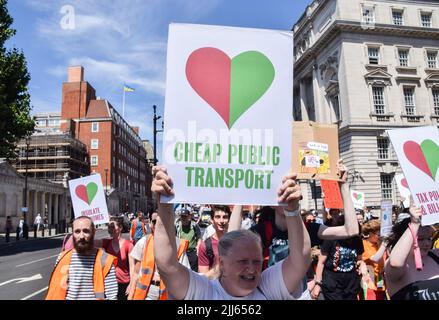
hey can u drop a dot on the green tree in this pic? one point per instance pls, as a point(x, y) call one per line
point(15, 119)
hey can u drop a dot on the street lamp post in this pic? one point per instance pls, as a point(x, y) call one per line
point(25, 229)
point(106, 185)
point(155, 133)
point(25, 176)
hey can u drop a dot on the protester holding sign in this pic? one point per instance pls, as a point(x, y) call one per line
point(240, 255)
point(412, 270)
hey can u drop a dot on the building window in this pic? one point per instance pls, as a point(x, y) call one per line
point(409, 100)
point(432, 59)
point(378, 100)
point(403, 55)
point(386, 186)
point(397, 18)
point(95, 127)
point(383, 148)
point(426, 19)
point(94, 161)
point(368, 15)
point(436, 101)
point(94, 144)
point(41, 123)
point(374, 55)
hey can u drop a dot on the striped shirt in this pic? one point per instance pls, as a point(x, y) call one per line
point(80, 282)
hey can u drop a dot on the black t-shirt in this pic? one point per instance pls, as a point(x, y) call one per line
point(313, 231)
point(342, 254)
point(420, 290)
point(279, 239)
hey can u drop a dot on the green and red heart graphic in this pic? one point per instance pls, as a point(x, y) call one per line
point(87, 193)
point(229, 86)
point(357, 196)
point(424, 156)
point(404, 183)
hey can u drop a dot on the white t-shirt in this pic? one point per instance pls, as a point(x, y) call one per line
point(210, 231)
point(271, 287)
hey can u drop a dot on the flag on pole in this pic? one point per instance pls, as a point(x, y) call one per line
point(128, 89)
point(125, 89)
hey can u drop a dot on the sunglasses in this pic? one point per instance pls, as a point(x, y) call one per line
point(153, 221)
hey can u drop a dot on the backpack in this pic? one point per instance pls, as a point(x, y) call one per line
point(209, 251)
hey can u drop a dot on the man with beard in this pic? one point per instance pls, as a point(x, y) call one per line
point(85, 272)
point(208, 250)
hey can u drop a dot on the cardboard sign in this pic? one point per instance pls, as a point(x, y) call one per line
point(331, 189)
point(403, 188)
point(386, 218)
point(418, 153)
point(228, 108)
point(358, 198)
point(88, 198)
point(315, 150)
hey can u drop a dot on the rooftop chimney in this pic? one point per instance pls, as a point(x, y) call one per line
point(76, 74)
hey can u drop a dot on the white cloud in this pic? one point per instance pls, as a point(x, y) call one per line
point(116, 41)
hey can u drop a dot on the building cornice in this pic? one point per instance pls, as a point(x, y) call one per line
point(340, 26)
point(369, 127)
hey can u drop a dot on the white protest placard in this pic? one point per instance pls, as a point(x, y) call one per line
point(418, 154)
point(358, 199)
point(228, 132)
point(403, 188)
point(88, 198)
point(386, 217)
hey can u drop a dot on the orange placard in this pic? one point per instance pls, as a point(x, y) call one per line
point(331, 189)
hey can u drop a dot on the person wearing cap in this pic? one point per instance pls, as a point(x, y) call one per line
point(188, 230)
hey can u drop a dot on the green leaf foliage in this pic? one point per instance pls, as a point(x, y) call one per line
point(15, 120)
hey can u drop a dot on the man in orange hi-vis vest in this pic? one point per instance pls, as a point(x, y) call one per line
point(138, 228)
point(145, 281)
point(84, 272)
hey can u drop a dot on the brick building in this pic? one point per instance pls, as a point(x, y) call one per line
point(115, 148)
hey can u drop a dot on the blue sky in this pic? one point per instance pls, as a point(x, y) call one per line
point(121, 41)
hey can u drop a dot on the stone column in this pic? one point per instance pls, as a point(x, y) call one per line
point(303, 102)
point(49, 209)
point(56, 209)
point(322, 114)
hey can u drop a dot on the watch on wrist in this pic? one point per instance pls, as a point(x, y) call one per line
point(319, 283)
point(293, 213)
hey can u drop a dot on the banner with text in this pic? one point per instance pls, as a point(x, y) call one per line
point(358, 198)
point(418, 154)
point(88, 198)
point(404, 190)
point(227, 137)
point(386, 218)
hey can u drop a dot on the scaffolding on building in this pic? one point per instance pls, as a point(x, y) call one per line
point(53, 157)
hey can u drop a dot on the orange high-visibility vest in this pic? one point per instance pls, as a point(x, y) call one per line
point(134, 227)
point(58, 281)
point(147, 269)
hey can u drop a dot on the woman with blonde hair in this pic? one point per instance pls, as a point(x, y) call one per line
point(373, 258)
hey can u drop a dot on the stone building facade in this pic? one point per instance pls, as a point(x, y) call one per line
point(367, 66)
point(48, 199)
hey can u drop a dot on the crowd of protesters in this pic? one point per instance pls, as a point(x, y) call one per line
point(206, 251)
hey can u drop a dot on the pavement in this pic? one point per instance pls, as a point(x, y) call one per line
point(26, 265)
point(40, 235)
